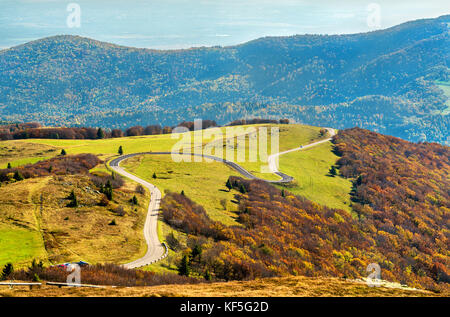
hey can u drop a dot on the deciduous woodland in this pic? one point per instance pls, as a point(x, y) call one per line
point(33, 130)
point(400, 220)
point(60, 165)
point(106, 274)
point(402, 195)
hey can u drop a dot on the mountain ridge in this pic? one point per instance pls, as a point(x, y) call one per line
point(379, 31)
point(72, 80)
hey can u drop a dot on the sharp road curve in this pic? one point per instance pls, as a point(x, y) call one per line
point(155, 250)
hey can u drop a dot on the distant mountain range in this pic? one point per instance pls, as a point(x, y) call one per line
point(394, 81)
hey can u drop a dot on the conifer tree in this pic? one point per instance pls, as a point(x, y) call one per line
point(229, 185)
point(73, 200)
point(100, 134)
point(184, 266)
point(18, 176)
point(333, 171)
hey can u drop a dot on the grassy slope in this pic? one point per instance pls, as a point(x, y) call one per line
point(293, 286)
point(310, 169)
point(21, 152)
point(145, 143)
point(111, 146)
point(290, 136)
point(202, 182)
point(55, 233)
point(20, 245)
point(20, 237)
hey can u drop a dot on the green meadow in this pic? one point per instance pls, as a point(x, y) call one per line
point(290, 136)
point(162, 142)
point(20, 246)
point(19, 153)
point(310, 169)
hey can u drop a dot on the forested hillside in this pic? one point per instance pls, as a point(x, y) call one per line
point(399, 220)
point(389, 81)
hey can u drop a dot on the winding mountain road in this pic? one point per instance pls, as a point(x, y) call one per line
point(155, 250)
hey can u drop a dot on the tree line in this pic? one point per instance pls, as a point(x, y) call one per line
point(36, 131)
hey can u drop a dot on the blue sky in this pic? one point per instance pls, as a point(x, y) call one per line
point(168, 24)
